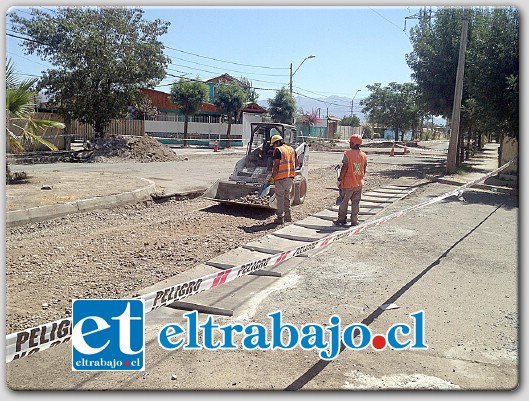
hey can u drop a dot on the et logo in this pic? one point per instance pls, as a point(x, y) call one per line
point(108, 334)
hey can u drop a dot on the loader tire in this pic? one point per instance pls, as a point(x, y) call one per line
point(292, 194)
point(300, 190)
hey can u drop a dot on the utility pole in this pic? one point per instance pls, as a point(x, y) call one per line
point(292, 73)
point(290, 79)
point(451, 163)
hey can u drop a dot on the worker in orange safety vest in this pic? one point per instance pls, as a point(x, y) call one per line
point(285, 162)
point(351, 180)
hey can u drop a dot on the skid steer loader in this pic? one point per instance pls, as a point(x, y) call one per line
point(250, 172)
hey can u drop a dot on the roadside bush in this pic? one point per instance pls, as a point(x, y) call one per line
point(13, 178)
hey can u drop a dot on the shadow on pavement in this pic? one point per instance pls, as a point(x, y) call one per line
point(488, 198)
point(417, 171)
point(319, 366)
point(256, 213)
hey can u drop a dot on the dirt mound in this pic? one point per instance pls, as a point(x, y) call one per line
point(126, 147)
point(327, 146)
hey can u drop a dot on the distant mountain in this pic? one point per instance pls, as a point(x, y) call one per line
point(333, 106)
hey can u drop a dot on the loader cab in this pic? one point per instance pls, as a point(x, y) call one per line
point(262, 132)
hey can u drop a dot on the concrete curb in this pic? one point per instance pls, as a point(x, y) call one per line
point(35, 214)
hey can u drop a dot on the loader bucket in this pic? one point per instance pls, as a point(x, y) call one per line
point(240, 194)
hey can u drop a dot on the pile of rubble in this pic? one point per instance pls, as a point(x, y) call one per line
point(327, 146)
point(254, 199)
point(141, 148)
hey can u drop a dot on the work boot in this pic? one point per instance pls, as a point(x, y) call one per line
point(278, 221)
point(288, 218)
point(354, 223)
point(339, 222)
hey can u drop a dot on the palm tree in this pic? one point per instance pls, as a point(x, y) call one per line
point(21, 125)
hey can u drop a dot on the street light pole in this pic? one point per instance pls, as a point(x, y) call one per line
point(353, 102)
point(292, 73)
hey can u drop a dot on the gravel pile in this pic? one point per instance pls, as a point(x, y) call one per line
point(140, 148)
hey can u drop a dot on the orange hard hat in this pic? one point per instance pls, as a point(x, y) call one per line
point(355, 139)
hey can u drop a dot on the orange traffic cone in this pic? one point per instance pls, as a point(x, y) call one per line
point(392, 151)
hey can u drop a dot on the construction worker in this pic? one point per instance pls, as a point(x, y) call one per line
point(351, 180)
point(285, 162)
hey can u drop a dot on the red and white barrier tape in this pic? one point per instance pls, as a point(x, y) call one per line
point(42, 337)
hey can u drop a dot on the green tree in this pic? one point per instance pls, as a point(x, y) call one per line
point(230, 99)
point(351, 121)
point(188, 96)
point(393, 106)
point(251, 93)
point(434, 58)
point(493, 68)
point(282, 108)
point(102, 57)
point(492, 62)
point(21, 125)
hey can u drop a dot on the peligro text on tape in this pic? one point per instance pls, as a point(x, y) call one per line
point(42, 337)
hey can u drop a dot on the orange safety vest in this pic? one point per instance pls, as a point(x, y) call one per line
point(287, 167)
point(356, 164)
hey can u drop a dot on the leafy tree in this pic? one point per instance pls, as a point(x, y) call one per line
point(434, 58)
point(492, 62)
point(247, 86)
point(494, 66)
point(103, 56)
point(144, 110)
point(282, 107)
point(230, 99)
point(351, 121)
point(188, 96)
point(394, 106)
point(21, 125)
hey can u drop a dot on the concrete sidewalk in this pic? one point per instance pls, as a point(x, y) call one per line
point(479, 165)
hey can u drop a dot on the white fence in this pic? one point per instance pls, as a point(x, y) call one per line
point(212, 130)
point(176, 127)
point(345, 132)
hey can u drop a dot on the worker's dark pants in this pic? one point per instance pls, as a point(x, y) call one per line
point(283, 188)
point(355, 195)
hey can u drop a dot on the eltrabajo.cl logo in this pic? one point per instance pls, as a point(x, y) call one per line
point(108, 334)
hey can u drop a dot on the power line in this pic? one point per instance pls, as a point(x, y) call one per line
point(27, 39)
point(198, 80)
point(216, 74)
point(224, 69)
point(26, 58)
point(316, 93)
point(229, 62)
point(319, 100)
point(391, 22)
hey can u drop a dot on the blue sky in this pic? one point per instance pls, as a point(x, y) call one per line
point(354, 46)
